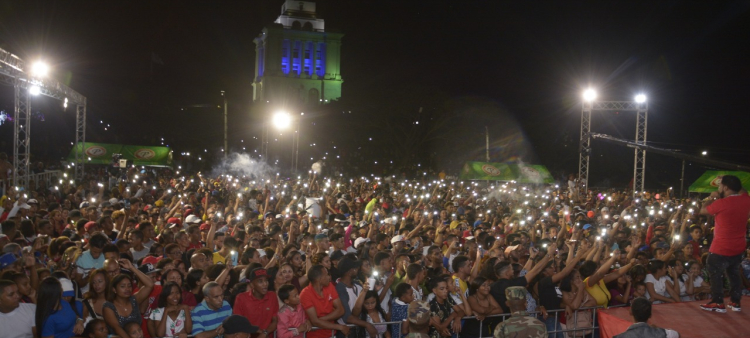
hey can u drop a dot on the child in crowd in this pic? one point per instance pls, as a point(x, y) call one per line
point(399, 309)
point(293, 320)
point(373, 313)
point(133, 329)
point(96, 328)
point(640, 290)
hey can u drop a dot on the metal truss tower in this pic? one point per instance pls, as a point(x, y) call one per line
point(639, 165)
point(16, 72)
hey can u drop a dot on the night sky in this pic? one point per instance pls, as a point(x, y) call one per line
point(530, 59)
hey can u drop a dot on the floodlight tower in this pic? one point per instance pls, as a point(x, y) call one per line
point(584, 145)
point(31, 79)
point(640, 106)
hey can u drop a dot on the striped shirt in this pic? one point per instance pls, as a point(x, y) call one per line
point(206, 319)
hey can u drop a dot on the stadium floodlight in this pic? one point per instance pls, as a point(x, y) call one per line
point(39, 69)
point(640, 98)
point(281, 120)
point(589, 95)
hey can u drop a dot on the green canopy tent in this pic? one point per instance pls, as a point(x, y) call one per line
point(101, 153)
point(709, 181)
point(522, 173)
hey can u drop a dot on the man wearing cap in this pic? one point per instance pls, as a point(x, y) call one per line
point(90, 260)
point(350, 292)
point(16, 319)
point(504, 272)
point(259, 304)
point(519, 324)
point(236, 326)
point(397, 243)
point(418, 319)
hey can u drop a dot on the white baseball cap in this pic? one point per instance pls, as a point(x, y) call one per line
point(359, 241)
point(397, 238)
point(192, 219)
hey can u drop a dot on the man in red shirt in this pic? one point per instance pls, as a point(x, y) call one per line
point(730, 206)
point(259, 305)
point(322, 304)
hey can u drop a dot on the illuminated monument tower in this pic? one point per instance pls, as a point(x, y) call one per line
point(296, 60)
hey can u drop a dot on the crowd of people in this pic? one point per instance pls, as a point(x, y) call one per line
point(164, 255)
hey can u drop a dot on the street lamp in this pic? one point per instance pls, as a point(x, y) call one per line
point(640, 98)
point(281, 120)
point(589, 95)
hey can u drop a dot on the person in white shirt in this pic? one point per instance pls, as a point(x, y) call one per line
point(658, 285)
point(16, 320)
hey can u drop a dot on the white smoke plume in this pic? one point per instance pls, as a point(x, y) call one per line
point(243, 165)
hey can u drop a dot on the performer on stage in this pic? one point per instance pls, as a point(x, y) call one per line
point(730, 206)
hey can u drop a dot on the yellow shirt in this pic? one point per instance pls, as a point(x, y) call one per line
point(218, 258)
point(599, 292)
point(462, 285)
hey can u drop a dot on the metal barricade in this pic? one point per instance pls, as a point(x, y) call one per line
point(565, 331)
point(47, 177)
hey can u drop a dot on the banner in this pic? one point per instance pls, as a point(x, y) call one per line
point(521, 173)
point(143, 155)
point(709, 181)
point(101, 153)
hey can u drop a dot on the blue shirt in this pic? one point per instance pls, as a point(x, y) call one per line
point(206, 319)
point(61, 322)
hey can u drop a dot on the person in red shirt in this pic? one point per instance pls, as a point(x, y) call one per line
point(259, 305)
point(730, 206)
point(322, 304)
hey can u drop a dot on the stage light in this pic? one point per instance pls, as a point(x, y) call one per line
point(39, 69)
point(589, 95)
point(281, 120)
point(704, 153)
point(640, 98)
point(34, 90)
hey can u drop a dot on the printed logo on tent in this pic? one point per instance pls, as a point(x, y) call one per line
point(717, 181)
point(491, 170)
point(144, 154)
point(95, 151)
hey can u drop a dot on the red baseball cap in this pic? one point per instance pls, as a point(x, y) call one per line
point(257, 273)
point(174, 220)
point(90, 225)
point(205, 226)
point(150, 260)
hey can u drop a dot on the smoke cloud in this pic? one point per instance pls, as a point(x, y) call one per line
point(243, 165)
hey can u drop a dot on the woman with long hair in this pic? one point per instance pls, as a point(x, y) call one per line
point(194, 282)
point(121, 307)
point(482, 304)
point(171, 318)
point(55, 318)
point(284, 274)
point(574, 297)
point(321, 258)
point(94, 300)
point(294, 258)
point(373, 313)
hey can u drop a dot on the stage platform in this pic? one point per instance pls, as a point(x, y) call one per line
point(686, 318)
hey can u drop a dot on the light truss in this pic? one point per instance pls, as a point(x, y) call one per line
point(15, 72)
point(639, 164)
